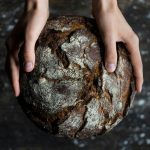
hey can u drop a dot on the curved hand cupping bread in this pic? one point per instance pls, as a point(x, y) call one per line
point(69, 93)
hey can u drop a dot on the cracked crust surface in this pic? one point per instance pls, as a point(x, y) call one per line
point(69, 93)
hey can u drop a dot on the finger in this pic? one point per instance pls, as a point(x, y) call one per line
point(12, 64)
point(14, 70)
point(110, 53)
point(29, 54)
point(133, 48)
point(33, 30)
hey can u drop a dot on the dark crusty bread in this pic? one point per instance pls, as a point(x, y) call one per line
point(69, 93)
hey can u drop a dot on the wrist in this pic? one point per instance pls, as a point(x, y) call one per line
point(104, 5)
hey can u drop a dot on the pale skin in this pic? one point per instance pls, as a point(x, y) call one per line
point(112, 26)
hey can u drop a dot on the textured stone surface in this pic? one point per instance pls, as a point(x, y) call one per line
point(70, 93)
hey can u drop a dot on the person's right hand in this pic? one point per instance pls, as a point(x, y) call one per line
point(26, 32)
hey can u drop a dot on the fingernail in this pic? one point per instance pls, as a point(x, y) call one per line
point(28, 66)
point(111, 67)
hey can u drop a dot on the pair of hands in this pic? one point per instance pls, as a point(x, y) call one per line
point(110, 21)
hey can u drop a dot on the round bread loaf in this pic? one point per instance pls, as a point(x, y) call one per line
point(69, 93)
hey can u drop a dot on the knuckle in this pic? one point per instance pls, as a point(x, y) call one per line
point(134, 37)
point(28, 54)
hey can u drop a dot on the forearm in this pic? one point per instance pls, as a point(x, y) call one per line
point(104, 5)
point(42, 5)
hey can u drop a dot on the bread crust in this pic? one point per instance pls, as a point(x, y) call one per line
point(70, 93)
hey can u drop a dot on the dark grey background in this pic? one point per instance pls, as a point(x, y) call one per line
point(19, 133)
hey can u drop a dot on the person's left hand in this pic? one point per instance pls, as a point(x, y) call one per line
point(114, 28)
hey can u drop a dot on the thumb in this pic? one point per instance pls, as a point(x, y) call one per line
point(29, 54)
point(110, 54)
